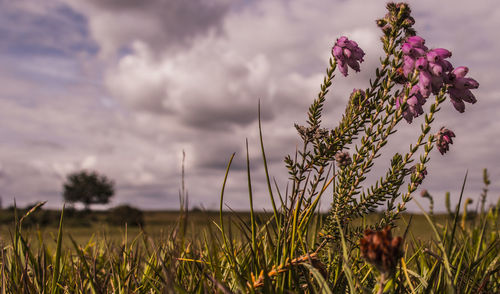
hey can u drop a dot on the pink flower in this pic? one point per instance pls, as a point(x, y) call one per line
point(434, 72)
point(347, 53)
point(413, 104)
point(444, 140)
point(460, 88)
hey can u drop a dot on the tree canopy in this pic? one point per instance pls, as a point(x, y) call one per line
point(88, 188)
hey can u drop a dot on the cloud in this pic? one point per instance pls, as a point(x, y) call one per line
point(124, 86)
point(115, 24)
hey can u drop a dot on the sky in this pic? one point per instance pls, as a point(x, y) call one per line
point(123, 87)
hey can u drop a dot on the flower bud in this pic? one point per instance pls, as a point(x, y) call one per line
point(416, 41)
point(380, 249)
point(444, 140)
point(425, 83)
point(442, 53)
point(466, 83)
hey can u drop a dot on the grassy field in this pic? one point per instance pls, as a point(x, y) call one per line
point(159, 224)
point(191, 252)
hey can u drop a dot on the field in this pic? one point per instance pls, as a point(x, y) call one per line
point(178, 252)
point(160, 223)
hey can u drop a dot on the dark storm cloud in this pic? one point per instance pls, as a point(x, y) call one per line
point(159, 23)
point(218, 118)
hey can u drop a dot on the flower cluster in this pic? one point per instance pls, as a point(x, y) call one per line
point(460, 87)
point(431, 64)
point(434, 71)
point(347, 53)
point(414, 104)
point(444, 140)
point(381, 249)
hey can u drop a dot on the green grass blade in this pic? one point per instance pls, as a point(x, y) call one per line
point(323, 284)
point(457, 212)
point(85, 265)
point(57, 261)
point(268, 180)
point(250, 196)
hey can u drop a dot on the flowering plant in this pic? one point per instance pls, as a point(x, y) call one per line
point(297, 242)
point(409, 75)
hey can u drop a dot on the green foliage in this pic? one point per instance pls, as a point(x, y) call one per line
point(88, 188)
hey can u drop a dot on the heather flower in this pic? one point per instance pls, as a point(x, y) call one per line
point(434, 71)
point(424, 83)
point(381, 250)
point(413, 104)
point(343, 159)
point(347, 53)
point(444, 140)
point(459, 88)
point(431, 64)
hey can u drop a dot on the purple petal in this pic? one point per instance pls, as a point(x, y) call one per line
point(353, 64)
point(342, 41)
point(408, 65)
point(418, 52)
point(446, 65)
point(358, 54)
point(460, 71)
point(421, 63)
point(436, 84)
point(436, 69)
point(416, 41)
point(442, 53)
point(351, 45)
point(337, 52)
point(466, 83)
point(425, 83)
point(465, 95)
point(343, 68)
point(347, 53)
point(407, 48)
point(412, 101)
point(458, 104)
point(432, 56)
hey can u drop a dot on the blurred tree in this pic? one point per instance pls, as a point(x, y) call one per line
point(88, 188)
